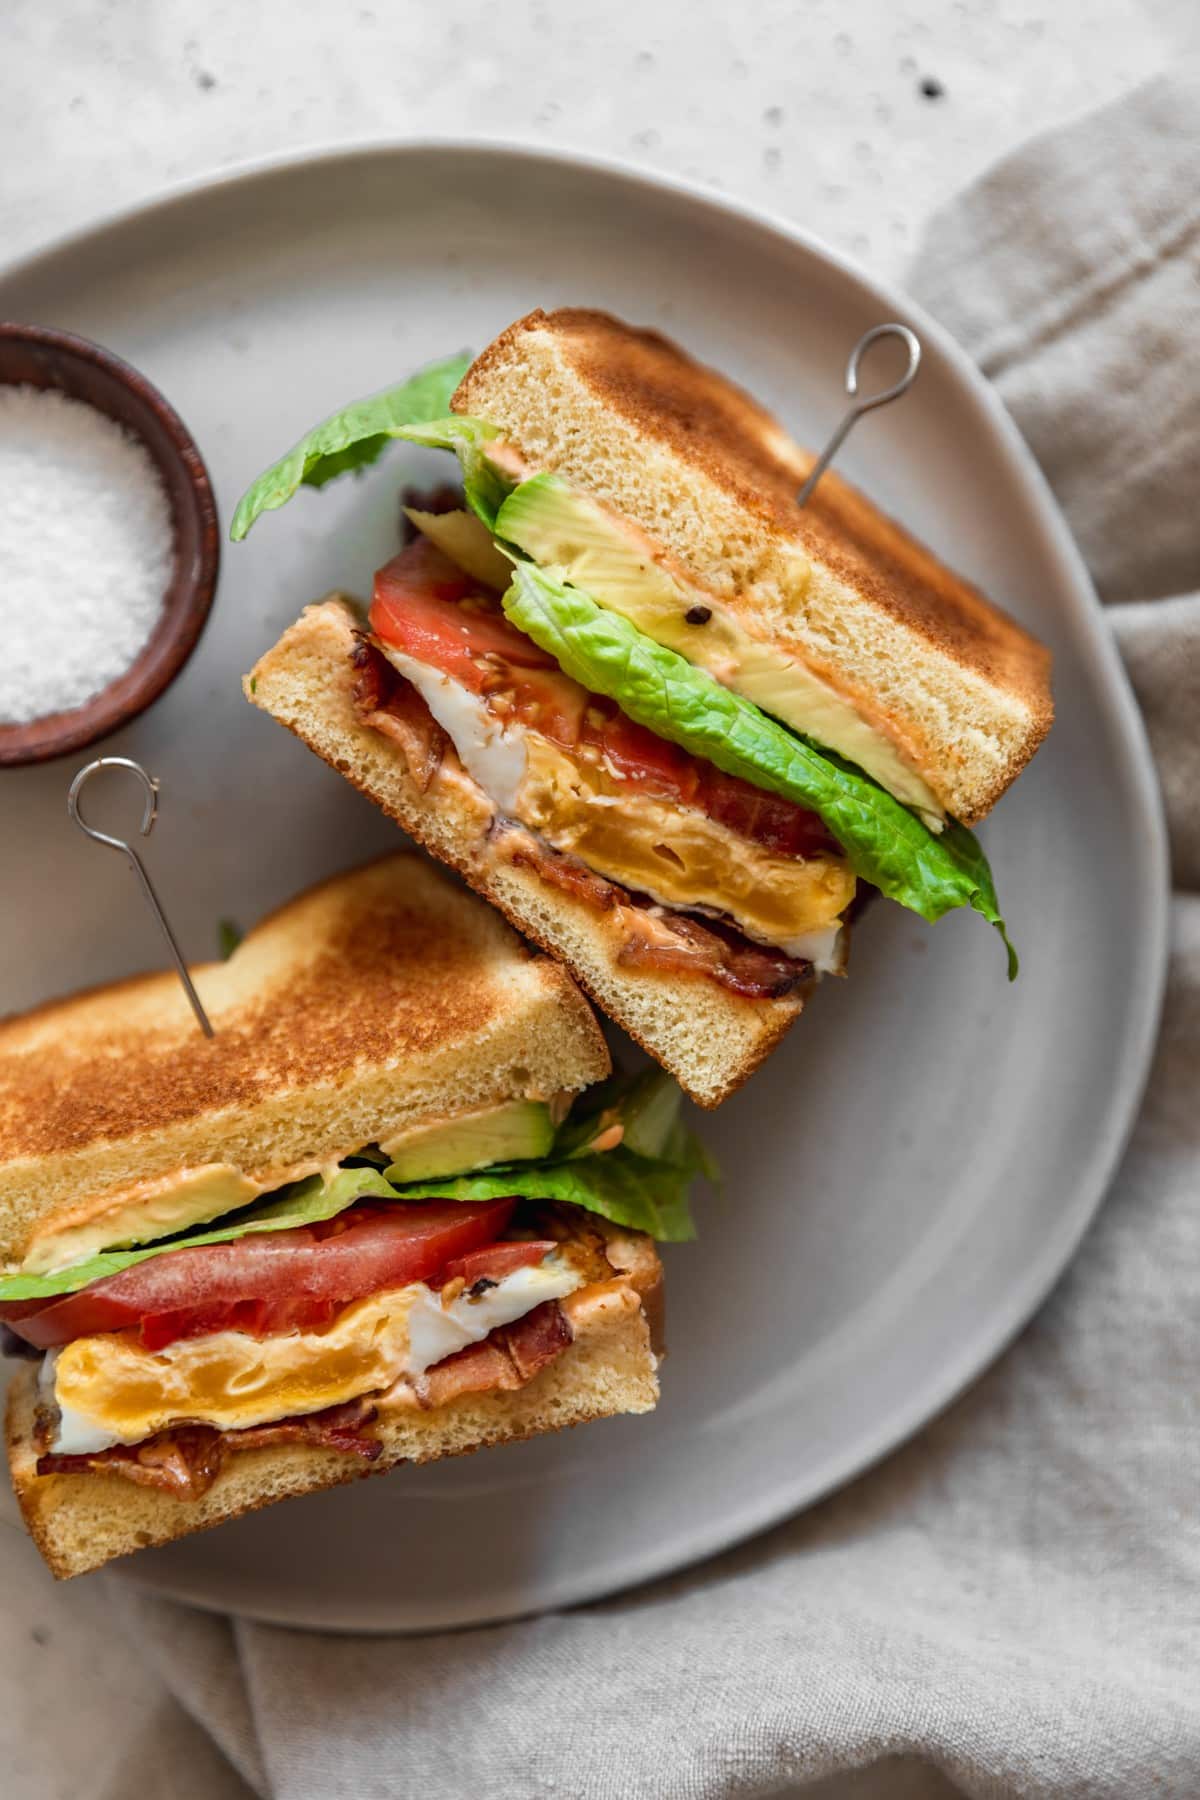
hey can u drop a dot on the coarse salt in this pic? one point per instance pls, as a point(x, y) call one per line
point(85, 551)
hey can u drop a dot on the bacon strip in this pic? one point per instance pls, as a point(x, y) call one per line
point(187, 1460)
point(676, 941)
point(504, 1361)
point(660, 938)
point(390, 704)
point(537, 1339)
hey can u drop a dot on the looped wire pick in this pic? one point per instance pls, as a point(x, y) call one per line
point(149, 814)
point(865, 403)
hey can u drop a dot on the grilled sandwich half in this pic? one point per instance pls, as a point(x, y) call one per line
point(371, 1221)
point(664, 718)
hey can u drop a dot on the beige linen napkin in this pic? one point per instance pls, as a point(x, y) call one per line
point(1010, 1605)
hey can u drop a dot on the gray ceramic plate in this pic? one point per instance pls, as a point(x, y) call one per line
point(912, 1171)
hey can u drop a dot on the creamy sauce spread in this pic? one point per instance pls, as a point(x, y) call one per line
point(146, 1211)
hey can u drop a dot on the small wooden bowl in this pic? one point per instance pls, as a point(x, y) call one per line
point(38, 357)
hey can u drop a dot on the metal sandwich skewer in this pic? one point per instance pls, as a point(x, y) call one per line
point(149, 814)
point(865, 403)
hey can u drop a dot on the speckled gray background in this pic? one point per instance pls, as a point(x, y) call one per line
point(853, 117)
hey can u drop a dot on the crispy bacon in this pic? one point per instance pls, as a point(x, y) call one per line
point(676, 941)
point(337, 1428)
point(374, 676)
point(566, 873)
point(660, 938)
point(537, 1339)
point(506, 1359)
point(390, 704)
point(187, 1460)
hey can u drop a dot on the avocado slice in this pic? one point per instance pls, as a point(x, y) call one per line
point(467, 541)
point(579, 541)
point(516, 1131)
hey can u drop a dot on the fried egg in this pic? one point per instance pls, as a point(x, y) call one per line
point(108, 1389)
point(675, 854)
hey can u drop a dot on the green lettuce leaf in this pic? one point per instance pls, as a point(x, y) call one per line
point(485, 487)
point(352, 438)
point(886, 844)
point(641, 1192)
point(229, 936)
point(642, 1184)
point(645, 1103)
point(304, 1203)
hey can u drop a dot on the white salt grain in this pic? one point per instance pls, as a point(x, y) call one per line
point(85, 551)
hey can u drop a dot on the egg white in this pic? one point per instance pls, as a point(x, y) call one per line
point(107, 1389)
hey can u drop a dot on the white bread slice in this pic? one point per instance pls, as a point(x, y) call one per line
point(80, 1521)
point(711, 478)
point(709, 1039)
point(383, 998)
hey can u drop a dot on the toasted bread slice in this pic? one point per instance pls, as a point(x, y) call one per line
point(80, 1521)
point(709, 1038)
point(382, 999)
point(959, 689)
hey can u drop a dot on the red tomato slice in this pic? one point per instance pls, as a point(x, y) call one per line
point(426, 607)
point(438, 621)
point(547, 702)
point(272, 1281)
point(768, 819)
point(495, 1261)
point(654, 763)
point(418, 607)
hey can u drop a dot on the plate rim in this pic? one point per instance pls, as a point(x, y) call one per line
point(1001, 1323)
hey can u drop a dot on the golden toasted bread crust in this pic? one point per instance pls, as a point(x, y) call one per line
point(711, 478)
point(385, 994)
point(711, 1040)
point(705, 418)
point(81, 1521)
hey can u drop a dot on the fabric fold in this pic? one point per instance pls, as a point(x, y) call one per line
point(1070, 273)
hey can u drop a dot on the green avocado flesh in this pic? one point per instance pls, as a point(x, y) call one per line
point(466, 540)
point(518, 1131)
point(575, 538)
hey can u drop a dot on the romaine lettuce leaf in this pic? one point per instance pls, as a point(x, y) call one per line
point(485, 487)
point(644, 1102)
point(886, 844)
point(352, 438)
point(642, 1192)
point(303, 1203)
point(643, 1183)
point(229, 936)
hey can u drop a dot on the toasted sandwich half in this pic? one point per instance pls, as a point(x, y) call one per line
point(662, 716)
point(371, 1221)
